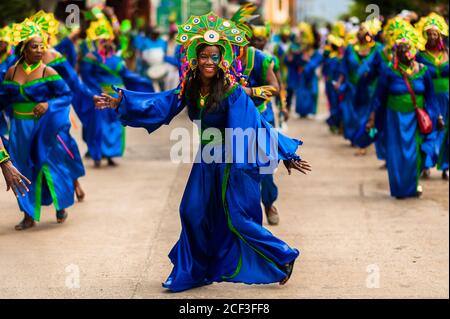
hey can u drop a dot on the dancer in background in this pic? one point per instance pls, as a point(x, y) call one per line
point(103, 132)
point(40, 102)
point(306, 61)
point(406, 85)
point(82, 98)
point(435, 56)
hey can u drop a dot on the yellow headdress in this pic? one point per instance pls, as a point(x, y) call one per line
point(393, 26)
point(306, 33)
point(338, 29)
point(335, 40)
point(100, 29)
point(5, 34)
point(25, 31)
point(372, 26)
point(408, 34)
point(432, 21)
point(46, 21)
point(261, 30)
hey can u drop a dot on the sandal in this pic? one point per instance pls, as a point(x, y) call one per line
point(25, 224)
point(272, 215)
point(61, 216)
point(288, 268)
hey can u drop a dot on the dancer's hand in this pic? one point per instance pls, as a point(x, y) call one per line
point(106, 101)
point(264, 92)
point(299, 165)
point(14, 179)
point(40, 109)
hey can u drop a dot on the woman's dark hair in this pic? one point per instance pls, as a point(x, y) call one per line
point(216, 90)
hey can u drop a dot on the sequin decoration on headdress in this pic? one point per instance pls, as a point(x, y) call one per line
point(100, 29)
point(25, 31)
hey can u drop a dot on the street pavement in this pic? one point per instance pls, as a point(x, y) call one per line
point(355, 240)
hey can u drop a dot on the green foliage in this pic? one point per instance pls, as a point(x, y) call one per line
point(16, 10)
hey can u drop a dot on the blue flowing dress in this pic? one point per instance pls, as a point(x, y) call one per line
point(102, 131)
point(439, 74)
point(82, 102)
point(38, 146)
point(307, 89)
point(331, 71)
point(358, 88)
point(404, 148)
point(222, 238)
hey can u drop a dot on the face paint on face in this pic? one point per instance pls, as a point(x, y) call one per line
point(433, 38)
point(405, 53)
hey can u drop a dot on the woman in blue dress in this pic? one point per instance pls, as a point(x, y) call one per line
point(103, 132)
point(306, 61)
point(82, 98)
point(331, 72)
point(222, 238)
point(404, 150)
point(40, 103)
point(357, 82)
point(435, 57)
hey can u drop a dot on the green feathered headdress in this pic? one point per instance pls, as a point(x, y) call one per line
point(243, 16)
point(210, 29)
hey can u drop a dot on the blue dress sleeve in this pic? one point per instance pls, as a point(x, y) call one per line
point(87, 74)
point(67, 48)
point(82, 99)
point(267, 147)
point(148, 110)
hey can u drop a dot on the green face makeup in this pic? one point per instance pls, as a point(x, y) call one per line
point(215, 58)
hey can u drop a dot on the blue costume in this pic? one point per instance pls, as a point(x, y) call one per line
point(67, 48)
point(103, 133)
point(222, 238)
point(404, 152)
point(358, 88)
point(439, 74)
point(307, 88)
point(82, 102)
point(331, 72)
point(39, 147)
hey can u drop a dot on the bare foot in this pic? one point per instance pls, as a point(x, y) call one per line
point(79, 191)
point(272, 215)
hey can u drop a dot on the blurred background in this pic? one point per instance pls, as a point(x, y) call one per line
point(162, 13)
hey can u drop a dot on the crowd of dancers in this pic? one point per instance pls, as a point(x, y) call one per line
point(386, 83)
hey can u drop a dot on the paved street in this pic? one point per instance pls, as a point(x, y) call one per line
point(355, 240)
